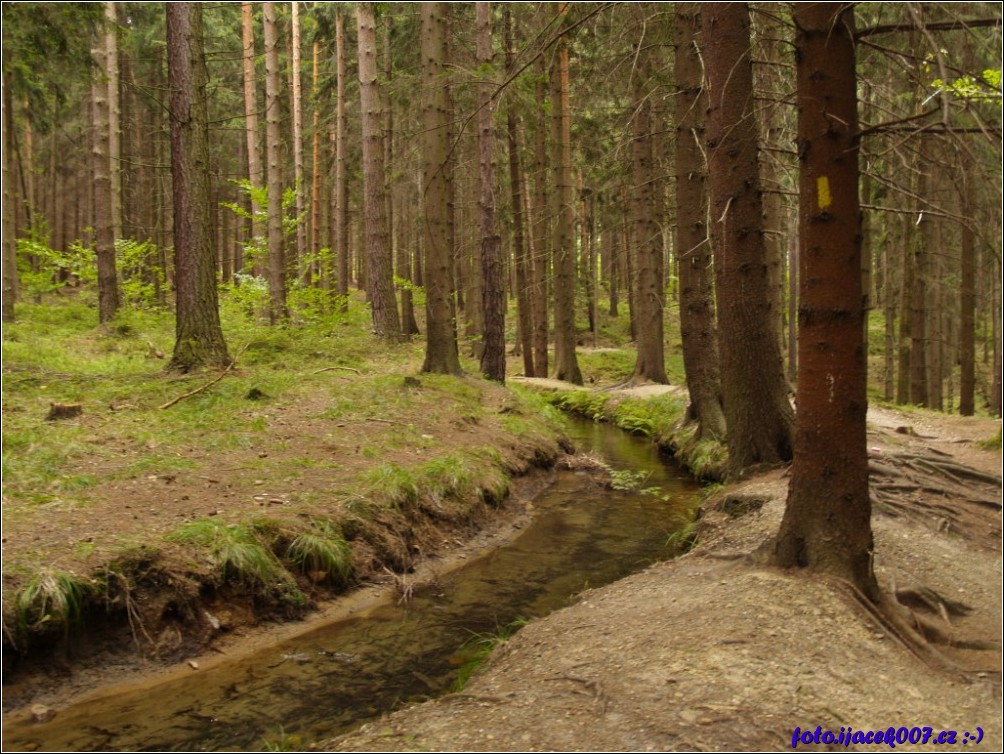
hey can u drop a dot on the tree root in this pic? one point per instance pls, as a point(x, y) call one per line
point(900, 625)
point(915, 485)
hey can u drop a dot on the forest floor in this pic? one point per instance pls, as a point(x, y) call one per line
point(711, 652)
point(706, 651)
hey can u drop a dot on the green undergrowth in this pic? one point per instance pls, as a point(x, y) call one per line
point(659, 418)
point(478, 648)
point(370, 455)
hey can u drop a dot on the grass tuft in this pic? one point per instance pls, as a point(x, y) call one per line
point(235, 549)
point(52, 598)
point(322, 549)
point(479, 647)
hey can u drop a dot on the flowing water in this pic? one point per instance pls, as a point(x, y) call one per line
point(327, 681)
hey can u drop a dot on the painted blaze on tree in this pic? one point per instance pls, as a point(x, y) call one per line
point(827, 521)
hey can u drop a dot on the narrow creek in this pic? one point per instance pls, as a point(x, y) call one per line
point(329, 680)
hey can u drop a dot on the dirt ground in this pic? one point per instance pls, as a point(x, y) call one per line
point(711, 652)
point(704, 652)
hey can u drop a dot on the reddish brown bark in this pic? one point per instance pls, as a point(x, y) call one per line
point(697, 306)
point(827, 521)
point(565, 361)
point(493, 296)
point(754, 389)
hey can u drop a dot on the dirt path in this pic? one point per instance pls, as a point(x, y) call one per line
point(709, 652)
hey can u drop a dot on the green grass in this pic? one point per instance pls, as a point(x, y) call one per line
point(52, 599)
point(991, 443)
point(238, 550)
point(479, 647)
point(321, 549)
point(58, 353)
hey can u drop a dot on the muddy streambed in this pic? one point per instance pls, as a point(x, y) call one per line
point(328, 680)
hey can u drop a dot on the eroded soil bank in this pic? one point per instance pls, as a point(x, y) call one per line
point(396, 468)
point(710, 652)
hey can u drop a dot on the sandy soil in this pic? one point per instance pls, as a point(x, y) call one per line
point(712, 652)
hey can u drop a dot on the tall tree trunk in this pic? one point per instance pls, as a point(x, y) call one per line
point(611, 252)
point(523, 273)
point(341, 194)
point(904, 353)
point(315, 173)
point(697, 308)
point(255, 174)
point(198, 333)
point(758, 415)
point(541, 222)
point(441, 343)
point(276, 252)
point(297, 264)
point(114, 116)
point(648, 279)
point(379, 274)
point(773, 41)
point(565, 362)
point(10, 280)
point(919, 290)
point(400, 249)
point(967, 323)
point(827, 520)
point(104, 226)
point(493, 296)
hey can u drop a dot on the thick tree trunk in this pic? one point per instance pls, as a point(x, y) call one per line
point(379, 273)
point(566, 364)
point(276, 253)
point(441, 343)
point(697, 307)
point(754, 389)
point(104, 226)
point(827, 521)
point(198, 333)
point(648, 278)
point(493, 296)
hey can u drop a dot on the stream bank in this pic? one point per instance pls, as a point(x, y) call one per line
point(709, 652)
point(589, 526)
point(137, 571)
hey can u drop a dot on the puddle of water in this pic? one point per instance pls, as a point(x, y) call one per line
point(325, 682)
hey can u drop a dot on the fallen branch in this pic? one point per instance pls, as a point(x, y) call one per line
point(233, 363)
point(328, 369)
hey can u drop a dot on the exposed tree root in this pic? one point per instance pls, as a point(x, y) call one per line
point(928, 487)
point(900, 625)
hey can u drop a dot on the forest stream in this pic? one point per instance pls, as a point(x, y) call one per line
point(330, 679)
